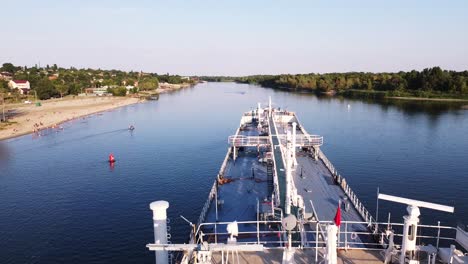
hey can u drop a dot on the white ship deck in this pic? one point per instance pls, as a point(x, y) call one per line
point(250, 190)
point(247, 188)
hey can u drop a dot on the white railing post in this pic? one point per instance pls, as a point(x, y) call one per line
point(258, 225)
point(316, 241)
point(346, 235)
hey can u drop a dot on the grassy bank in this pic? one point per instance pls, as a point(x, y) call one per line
point(403, 95)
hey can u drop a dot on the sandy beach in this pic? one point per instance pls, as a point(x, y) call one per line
point(28, 118)
point(167, 87)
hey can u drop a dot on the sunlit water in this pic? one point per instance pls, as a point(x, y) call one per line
point(60, 202)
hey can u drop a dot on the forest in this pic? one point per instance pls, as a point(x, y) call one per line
point(430, 82)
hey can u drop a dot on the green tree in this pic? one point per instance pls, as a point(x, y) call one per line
point(9, 67)
point(369, 85)
point(45, 89)
point(4, 86)
point(150, 83)
point(118, 91)
point(62, 89)
point(74, 88)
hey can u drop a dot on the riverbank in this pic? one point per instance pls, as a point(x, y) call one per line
point(25, 119)
point(169, 87)
point(399, 95)
point(427, 99)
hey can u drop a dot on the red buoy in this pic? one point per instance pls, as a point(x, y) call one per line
point(111, 158)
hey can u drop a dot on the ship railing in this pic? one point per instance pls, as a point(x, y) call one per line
point(214, 189)
point(248, 141)
point(348, 236)
point(304, 140)
point(206, 207)
point(361, 209)
point(358, 205)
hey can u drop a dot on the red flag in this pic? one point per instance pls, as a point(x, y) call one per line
point(338, 215)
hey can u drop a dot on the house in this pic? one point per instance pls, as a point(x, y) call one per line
point(101, 91)
point(22, 85)
point(53, 76)
point(24, 91)
point(6, 76)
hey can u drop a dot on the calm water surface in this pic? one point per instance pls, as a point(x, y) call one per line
point(60, 202)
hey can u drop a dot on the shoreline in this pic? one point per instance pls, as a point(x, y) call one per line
point(333, 93)
point(412, 98)
point(55, 112)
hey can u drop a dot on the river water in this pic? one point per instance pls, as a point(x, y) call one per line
point(61, 202)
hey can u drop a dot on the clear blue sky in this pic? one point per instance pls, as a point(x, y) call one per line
point(236, 37)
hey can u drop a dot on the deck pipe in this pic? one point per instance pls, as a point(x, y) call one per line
point(294, 125)
point(269, 106)
point(159, 209)
point(288, 173)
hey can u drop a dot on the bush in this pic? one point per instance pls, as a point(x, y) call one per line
point(118, 91)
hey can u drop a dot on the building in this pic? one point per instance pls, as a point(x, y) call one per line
point(22, 85)
point(100, 91)
point(53, 77)
point(24, 91)
point(6, 76)
point(130, 88)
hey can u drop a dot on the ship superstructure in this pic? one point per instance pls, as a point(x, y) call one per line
point(278, 199)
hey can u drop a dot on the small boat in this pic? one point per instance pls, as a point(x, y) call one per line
point(131, 128)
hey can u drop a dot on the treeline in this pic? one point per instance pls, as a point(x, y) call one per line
point(220, 78)
point(431, 82)
point(55, 81)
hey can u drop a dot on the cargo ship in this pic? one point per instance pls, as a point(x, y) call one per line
point(278, 199)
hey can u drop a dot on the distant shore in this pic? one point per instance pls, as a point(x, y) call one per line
point(428, 99)
point(25, 119)
point(28, 118)
point(168, 87)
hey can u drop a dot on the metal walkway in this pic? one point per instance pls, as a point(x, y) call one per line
point(279, 163)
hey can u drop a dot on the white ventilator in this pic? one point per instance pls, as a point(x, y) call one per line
point(159, 209)
point(233, 230)
point(410, 228)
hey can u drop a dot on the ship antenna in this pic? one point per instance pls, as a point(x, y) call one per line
point(186, 220)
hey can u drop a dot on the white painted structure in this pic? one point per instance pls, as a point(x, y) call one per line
point(160, 229)
point(22, 85)
point(331, 257)
point(288, 174)
point(208, 240)
point(294, 127)
point(411, 221)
